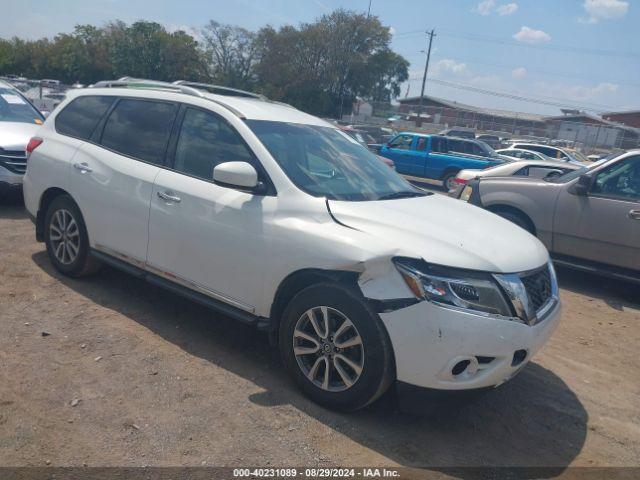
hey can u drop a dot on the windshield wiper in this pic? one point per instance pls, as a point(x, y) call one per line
point(392, 196)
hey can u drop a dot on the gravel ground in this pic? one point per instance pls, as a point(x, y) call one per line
point(110, 371)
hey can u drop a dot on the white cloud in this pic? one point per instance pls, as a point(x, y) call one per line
point(392, 31)
point(507, 9)
point(577, 93)
point(604, 10)
point(449, 65)
point(532, 36)
point(519, 73)
point(485, 7)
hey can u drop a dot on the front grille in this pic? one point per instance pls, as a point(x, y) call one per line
point(14, 160)
point(538, 287)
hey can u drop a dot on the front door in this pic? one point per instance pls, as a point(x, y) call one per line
point(203, 235)
point(399, 150)
point(603, 226)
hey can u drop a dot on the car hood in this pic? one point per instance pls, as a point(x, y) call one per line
point(445, 231)
point(16, 135)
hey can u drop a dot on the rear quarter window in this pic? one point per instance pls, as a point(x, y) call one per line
point(80, 117)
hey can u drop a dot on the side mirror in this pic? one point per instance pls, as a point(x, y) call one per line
point(240, 175)
point(582, 186)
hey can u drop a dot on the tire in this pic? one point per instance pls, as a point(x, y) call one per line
point(373, 354)
point(517, 219)
point(447, 180)
point(66, 239)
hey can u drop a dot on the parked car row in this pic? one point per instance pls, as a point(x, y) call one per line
point(278, 219)
point(588, 218)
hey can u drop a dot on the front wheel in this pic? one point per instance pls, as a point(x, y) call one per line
point(335, 347)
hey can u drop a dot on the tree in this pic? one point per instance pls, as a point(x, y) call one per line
point(232, 53)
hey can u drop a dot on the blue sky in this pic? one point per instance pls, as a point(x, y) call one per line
point(583, 53)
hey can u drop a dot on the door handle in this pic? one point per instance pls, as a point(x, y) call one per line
point(83, 167)
point(634, 214)
point(169, 197)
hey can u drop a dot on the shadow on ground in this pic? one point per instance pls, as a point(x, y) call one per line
point(12, 207)
point(534, 420)
point(615, 293)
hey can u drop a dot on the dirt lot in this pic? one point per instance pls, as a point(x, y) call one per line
point(157, 380)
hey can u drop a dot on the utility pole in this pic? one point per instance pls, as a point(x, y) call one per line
point(430, 34)
point(369, 9)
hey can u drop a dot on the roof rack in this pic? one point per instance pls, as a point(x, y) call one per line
point(130, 82)
point(219, 90)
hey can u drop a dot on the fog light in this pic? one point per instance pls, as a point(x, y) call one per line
point(460, 367)
point(518, 357)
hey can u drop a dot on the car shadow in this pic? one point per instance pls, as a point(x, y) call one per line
point(615, 293)
point(12, 207)
point(535, 420)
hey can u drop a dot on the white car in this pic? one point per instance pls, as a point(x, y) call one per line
point(279, 220)
point(521, 154)
point(556, 153)
point(525, 168)
point(19, 121)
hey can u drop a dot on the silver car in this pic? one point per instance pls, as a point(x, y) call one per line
point(526, 168)
point(588, 219)
point(19, 121)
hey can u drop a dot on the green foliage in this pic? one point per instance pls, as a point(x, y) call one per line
point(320, 67)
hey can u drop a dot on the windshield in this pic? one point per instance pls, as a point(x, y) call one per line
point(14, 108)
point(490, 152)
point(579, 156)
point(325, 162)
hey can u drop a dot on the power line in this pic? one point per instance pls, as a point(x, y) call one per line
point(522, 98)
point(514, 43)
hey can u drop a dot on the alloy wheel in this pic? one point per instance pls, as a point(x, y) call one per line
point(64, 236)
point(328, 349)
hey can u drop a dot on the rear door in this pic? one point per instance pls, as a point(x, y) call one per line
point(603, 226)
point(112, 177)
point(208, 237)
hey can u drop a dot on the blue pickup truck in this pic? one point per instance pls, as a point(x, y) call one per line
point(418, 156)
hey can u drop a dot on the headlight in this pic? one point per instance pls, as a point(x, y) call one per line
point(454, 288)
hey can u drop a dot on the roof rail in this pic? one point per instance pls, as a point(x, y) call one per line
point(219, 89)
point(129, 82)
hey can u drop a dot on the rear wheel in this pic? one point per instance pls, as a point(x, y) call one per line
point(335, 347)
point(449, 181)
point(66, 238)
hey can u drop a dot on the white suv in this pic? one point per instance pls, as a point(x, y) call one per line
point(280, 220)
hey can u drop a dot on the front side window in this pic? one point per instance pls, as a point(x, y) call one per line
point(14, 108)
point(140, 129)
point(324, 162)
point(620, 180)
point(80, 117)
point(205, 141)
point(401, 142)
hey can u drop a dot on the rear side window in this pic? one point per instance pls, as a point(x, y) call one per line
point(140, 129)
point(80, 118)
point(206, 141)
point(438, 145)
